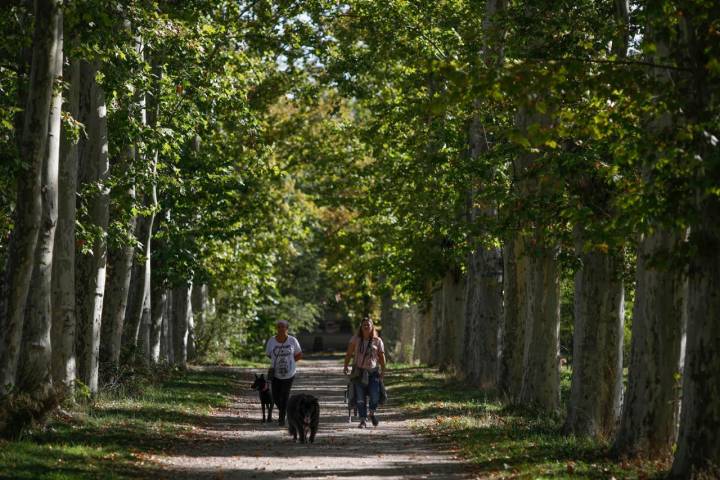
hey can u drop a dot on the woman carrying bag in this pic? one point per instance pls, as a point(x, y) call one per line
point(368, 370)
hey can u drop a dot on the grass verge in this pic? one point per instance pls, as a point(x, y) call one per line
point(112, 438)
point(505, 442)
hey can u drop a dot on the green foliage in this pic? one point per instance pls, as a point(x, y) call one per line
point(314, 154)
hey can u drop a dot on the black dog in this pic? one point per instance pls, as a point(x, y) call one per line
point(303, 414)
point(263, 388)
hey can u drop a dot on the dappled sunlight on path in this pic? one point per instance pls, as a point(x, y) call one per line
point(234, 444)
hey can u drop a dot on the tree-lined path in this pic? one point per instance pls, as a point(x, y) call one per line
point(524, 196)
point(233, 444)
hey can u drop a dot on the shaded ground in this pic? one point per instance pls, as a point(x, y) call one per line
point(234, 444)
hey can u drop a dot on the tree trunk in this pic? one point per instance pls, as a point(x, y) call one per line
point(180, 315)
point(513, 320)
point(158, 298)
point(650, 408)
point(390, 327)
point(140, 286)
point(437, 337)
point(423, 351)
point(113, 314)
point(597, 344)
point(483, 312)
point(63, 274)
point(599, 310)
point(167, 347)
point(199, 301)
point(399, 327)
point(541, 362)
point(33, 146)
point(120, 261)
point(200, 305)
point(90, 268)
point(698, 448)
point(409, 321)
point(483, 307)
point(34, 369)
point(648, 426)
point(144, 335)
point(453, 312)
point(191, 350)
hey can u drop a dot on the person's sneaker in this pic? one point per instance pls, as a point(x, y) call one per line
point(374, 420)
point(362, 424)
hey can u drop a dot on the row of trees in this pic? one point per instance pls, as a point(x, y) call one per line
point(473, 160)
point(138, 193)
point(494, 150)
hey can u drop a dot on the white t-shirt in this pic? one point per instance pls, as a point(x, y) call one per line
point(282, 356)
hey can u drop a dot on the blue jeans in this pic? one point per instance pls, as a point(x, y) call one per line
point(372, 390)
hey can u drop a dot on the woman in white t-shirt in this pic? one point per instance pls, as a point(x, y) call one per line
point(284, 351)
point(369, 365)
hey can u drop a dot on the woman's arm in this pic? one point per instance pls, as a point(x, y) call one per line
point(348, 356)
point(381, 359)
point(298, 356)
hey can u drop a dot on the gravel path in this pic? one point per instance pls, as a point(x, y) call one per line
point(234, 444)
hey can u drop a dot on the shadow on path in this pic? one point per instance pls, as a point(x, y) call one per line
point(235, 444)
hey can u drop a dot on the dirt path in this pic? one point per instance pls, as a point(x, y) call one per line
point(234, 444)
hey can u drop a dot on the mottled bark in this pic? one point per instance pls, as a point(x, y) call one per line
point(698, 447)
point(541, 363)
point(120, 260)
point(166, 347)
point(63, 274)
point(513, 319)
point(144, 335)
point(33, 146)
point(191, 349)
point(453, 312)
point(140, 285)
point(541, 359)
point(408, 320)
point(424, 337)
point(597, 344)
point(180, 316)
point(390, 321)
point(483, 296)
point(650, 406)
point(399, 330)
point(597, 360)
point(437, 336)
point(158, 297)
point(34, 369)
point(483, 310)
point(648, 425)
point(200, 307)
point(90, 267)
